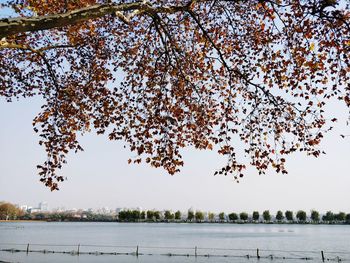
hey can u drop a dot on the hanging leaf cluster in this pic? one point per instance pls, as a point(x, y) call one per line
point(162, 75)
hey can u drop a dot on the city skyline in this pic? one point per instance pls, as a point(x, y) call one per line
point(44, 207)
point(43, 211)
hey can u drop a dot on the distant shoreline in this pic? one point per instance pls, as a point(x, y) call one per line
point(21, 221)
point(171, 222)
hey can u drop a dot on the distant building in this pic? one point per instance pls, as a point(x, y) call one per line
point(43, 207)
point(24, 208)
point(34, 210)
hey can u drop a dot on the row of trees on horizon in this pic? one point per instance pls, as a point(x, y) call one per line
point(9, 211)
point(243, 217)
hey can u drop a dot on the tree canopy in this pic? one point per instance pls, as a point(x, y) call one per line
point(162, 75)
point(9, 211)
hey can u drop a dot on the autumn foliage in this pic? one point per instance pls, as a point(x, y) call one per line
point(162, 75)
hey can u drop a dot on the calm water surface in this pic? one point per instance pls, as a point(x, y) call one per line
point(292, 241)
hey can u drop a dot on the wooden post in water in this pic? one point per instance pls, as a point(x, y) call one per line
point(257, 254)
point(195, 251)
point(322, 254)
point(137, 251)
point(27, 248)
point(78, 249)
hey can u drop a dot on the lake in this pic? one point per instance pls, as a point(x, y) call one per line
point(171, 242)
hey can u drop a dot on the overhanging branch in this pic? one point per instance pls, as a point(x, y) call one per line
point(12, 26)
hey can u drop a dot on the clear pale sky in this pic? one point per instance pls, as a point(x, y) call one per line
point(100, 176)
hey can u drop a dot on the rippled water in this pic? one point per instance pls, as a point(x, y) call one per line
point(222, 242)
